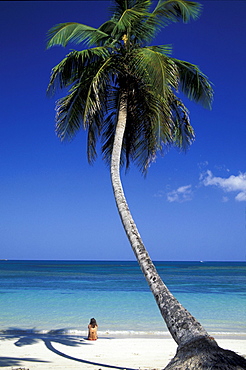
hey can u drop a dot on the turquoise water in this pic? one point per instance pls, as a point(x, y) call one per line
point(64, 295)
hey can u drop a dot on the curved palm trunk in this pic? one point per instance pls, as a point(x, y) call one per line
point(196, 349)
point(181, 324)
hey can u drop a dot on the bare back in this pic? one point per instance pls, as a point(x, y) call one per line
point(92, 334)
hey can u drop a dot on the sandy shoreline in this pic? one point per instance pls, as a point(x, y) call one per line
point(72, 352)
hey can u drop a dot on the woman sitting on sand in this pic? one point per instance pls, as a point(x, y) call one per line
point(92, 334)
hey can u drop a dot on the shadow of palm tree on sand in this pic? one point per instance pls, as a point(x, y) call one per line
point(24, 338)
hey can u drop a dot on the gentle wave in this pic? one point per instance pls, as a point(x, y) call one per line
point(111, 334)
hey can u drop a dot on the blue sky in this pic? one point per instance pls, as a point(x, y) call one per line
point(54, 205)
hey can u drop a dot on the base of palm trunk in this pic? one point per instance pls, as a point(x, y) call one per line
point(205, 354)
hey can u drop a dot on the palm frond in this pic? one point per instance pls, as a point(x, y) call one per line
point(98, 86)
point(168, 11)
point(156, 68)
point(97, 107)
point(107, 27)
point(146, 130)
point(70, 110)
point(148, 126)
point(183, 133)
point(69, 114)
point(110, 122)
point(194, 83)
point(63, 33)
point(163, 49)
point(119, 7)
point(129, 20)
point(69, 70)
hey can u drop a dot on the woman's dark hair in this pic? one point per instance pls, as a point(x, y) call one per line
point(93, 322)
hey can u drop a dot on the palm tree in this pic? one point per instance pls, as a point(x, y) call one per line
point(124, 92)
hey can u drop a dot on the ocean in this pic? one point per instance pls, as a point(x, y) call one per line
point(62, 296)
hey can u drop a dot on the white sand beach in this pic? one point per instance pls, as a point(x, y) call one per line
point(72, 352)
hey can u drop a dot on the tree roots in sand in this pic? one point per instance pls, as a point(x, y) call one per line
point(205, 354)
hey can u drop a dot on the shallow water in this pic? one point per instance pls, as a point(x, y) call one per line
point(55, 295)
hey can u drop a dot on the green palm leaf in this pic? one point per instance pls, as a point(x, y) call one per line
point(163, 49)
point(159, 69)
point(107, 27)
point(194, 83)
point(69, 115)
point(175, 10)
point(98, 88)
point(119, 7)
point(130, 18)
point(170, 11)
point(183, 133)
point(63, 33)
point(70, 68)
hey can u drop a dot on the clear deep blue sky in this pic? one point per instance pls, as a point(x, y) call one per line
point(54, 205)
